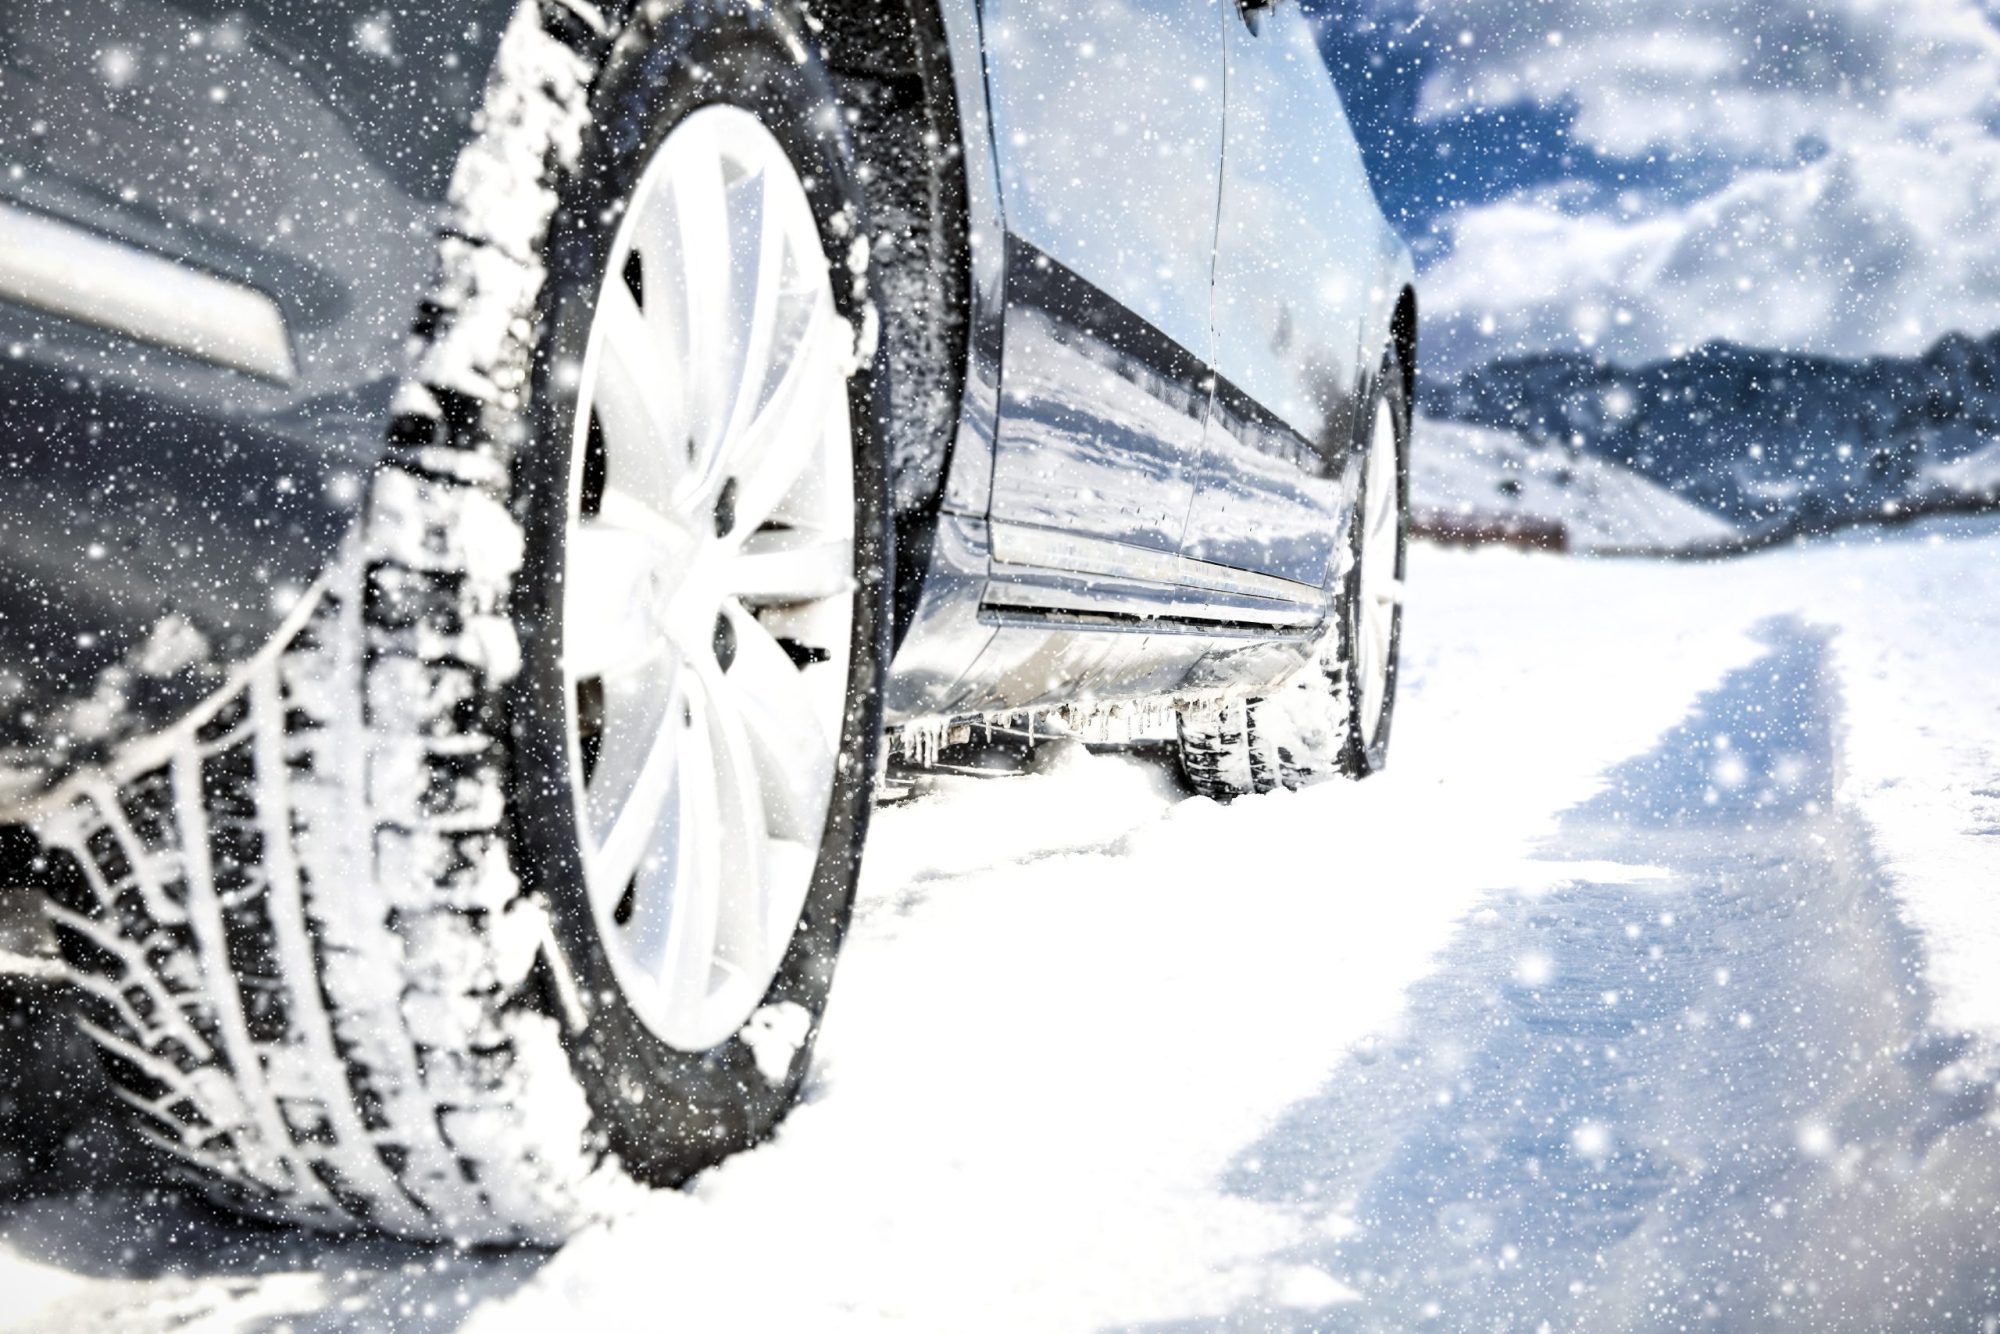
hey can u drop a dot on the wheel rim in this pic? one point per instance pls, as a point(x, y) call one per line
point(709, 577)
point(1381, 587)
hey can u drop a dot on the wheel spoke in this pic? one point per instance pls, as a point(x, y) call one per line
point(740, 772)
point(1383, 510)
point(1379, 615)
point(700, 227)
point(785, 436)
point(670, 319)
point(637, 769)
point(654, 887)
point(792, 742)
point(688, 950)
point(1381, 477)
point(1380, 589)
point(1377, 637)
point(607, 597)
point(720, 892)
point(667, 533)
point(637, 396)
point(781, 566)
point(757, 280)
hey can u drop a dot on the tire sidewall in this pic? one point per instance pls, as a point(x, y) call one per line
point(667, 1113)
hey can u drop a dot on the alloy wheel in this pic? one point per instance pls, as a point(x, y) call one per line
point(709, 576)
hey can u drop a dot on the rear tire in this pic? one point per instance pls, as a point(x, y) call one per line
point(333, 933)
point(1325, 720)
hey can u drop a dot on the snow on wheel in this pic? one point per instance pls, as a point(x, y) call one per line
point(1332, 716)
point(515, 871)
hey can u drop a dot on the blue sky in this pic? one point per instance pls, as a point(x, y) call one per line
point(1426, 171)
point(1635, 177)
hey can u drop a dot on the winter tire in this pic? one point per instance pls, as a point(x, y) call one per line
point(1332, 717)
point(514, 873)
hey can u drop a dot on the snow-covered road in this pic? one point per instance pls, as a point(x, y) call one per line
point(1653, 987)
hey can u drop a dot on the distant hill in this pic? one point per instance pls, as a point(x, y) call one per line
point(1776, 444)
point(1469, 484)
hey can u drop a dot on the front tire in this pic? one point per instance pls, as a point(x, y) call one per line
point(781, 663)
point(336, 935)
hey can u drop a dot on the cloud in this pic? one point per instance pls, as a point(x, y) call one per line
point(1870, 249)
point(1747, 79)
point(1859, 179)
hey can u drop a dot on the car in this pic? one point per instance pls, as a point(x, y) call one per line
point(490, 487)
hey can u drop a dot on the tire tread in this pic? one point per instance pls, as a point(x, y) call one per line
point(303, 950)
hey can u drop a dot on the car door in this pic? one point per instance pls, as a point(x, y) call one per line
point(1294, 254)
point(1108, 122)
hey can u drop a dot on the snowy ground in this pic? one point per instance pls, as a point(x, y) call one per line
point(1632, 997)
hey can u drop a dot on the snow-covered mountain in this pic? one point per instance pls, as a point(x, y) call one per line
point(1775, 443)
point(1471, 484)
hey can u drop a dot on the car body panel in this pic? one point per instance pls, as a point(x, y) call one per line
point(1108, 129)
point(1101, 414)
point(1294, 295)
point(160, 513)
point(1275, 491)
point(1108, 124)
